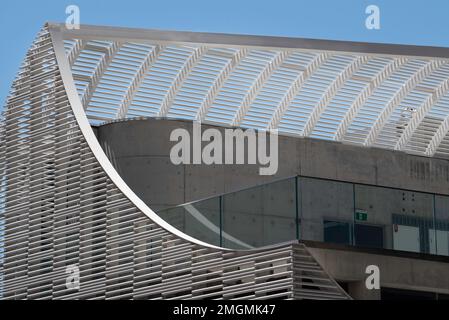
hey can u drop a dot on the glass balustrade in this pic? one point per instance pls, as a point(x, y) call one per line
point(315, 209)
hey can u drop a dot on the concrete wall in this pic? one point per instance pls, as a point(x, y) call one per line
point(140, 150)
point(395, 272)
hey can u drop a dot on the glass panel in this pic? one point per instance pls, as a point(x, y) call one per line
point(330, 211)
point(337, 232)
point(442, 225)
point(406, 218)
point(368, 236)
point(260, 216)
point(200, 220)
point(325, 201)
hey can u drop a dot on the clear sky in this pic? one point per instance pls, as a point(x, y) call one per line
point(406, 22)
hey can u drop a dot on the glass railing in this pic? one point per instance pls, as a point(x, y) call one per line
point(314, 209)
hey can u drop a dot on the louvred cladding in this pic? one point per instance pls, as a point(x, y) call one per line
point(63, 204)
point(387, 96)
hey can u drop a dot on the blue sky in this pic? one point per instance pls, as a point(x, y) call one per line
point(406, 22)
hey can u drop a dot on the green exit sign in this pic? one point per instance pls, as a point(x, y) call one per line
point(361, 215)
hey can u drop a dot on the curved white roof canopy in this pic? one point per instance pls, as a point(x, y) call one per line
point(388, 96)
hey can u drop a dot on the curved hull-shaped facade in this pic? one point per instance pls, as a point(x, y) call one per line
point(63, 204)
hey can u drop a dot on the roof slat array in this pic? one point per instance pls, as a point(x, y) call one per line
point(392, 101)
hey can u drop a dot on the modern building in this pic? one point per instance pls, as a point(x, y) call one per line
point(88, 182)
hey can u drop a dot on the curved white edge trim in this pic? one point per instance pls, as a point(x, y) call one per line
point(97, 150)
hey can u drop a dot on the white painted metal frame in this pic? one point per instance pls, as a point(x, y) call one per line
point(99, 72)
point(257, 85)
point(441, 133)
point(137, 81)
point(331, 91)
point(425, 107)
point(365, 94)
point(76, 50)
point(295, 88)
point(179, 80)
point(218, 84)
point(397, 98)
